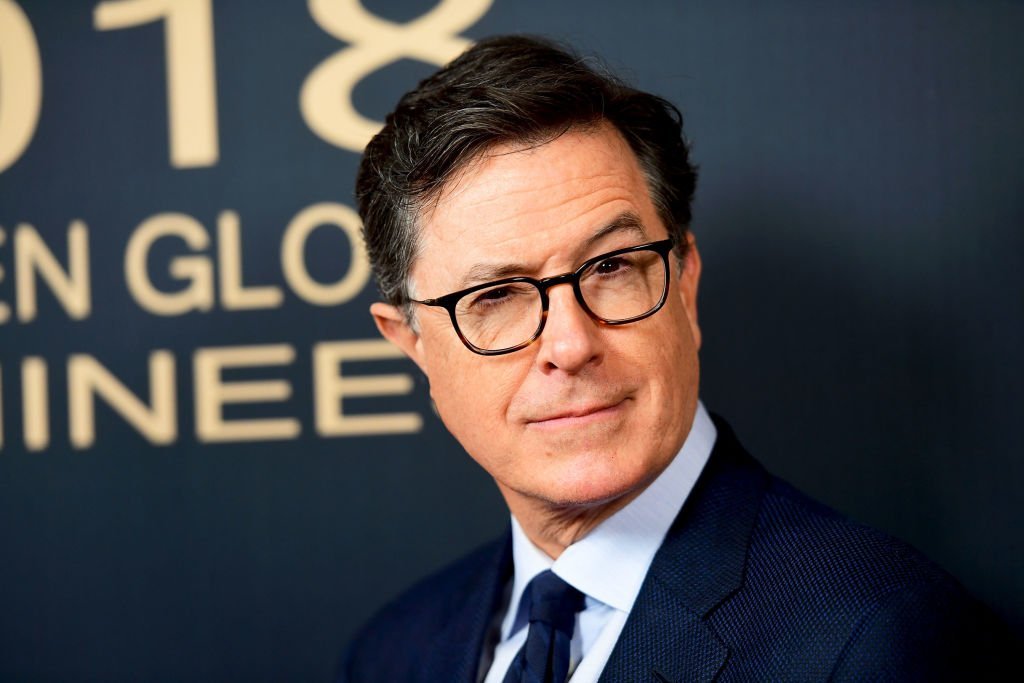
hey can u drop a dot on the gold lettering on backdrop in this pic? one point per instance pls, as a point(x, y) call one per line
point(332, 388)
point(235, 295)
point(189, 58)
point(21, 83)
point(71, 287)
point(196, 270)
point(326, 95)
point(88, 379)
point(35, 403)
point(293, 260)
point(212, 393)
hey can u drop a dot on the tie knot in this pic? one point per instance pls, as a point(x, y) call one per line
point(553, 601)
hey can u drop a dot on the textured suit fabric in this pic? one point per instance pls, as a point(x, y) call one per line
point(754, 581)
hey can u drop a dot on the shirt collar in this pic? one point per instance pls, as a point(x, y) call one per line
point(609, 564)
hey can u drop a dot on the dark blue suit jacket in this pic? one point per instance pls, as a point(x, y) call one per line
point(754, 581)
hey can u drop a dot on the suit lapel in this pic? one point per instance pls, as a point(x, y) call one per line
point(663, 641)
point(699, 565)
point(455, 654)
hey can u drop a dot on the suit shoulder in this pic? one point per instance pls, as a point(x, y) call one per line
point(798, 536)
point(423, 609)
point(435, 590)
point(429, 600)
point(821, 593)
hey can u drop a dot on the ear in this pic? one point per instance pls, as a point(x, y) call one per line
point(393, 326)
point(689, 279)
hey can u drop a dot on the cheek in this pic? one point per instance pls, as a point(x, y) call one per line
point(672, 364)
point(472, 394)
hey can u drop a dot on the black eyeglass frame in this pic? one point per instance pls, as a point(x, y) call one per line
point(449, 301)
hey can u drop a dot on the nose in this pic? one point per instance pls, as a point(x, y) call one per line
point(571, 339)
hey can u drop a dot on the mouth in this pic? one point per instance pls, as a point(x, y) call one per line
point(579, 416)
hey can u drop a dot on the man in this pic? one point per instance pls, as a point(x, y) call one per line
point(528, 222)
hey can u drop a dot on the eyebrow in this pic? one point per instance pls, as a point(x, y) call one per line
point(625, 223)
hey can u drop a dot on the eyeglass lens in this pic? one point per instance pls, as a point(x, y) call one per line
point(615, 289)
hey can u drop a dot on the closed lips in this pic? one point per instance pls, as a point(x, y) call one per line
point(576, 413)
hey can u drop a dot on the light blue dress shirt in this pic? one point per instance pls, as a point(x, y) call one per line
point(608, 565)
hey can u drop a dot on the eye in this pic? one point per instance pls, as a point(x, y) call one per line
point(492, 295)
point(612, 266)
point(498, 296)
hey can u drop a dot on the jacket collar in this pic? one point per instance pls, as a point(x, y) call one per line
point(459, 643)
point(666, 638)
point(700, 564)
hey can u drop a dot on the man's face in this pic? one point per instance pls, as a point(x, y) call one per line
point(587, 414)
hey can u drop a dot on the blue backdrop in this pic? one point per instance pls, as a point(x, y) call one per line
point(212, 468)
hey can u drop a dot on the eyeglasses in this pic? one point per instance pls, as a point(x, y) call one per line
point(506, 315)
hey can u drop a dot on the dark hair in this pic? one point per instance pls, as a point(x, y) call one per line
point(505, 89)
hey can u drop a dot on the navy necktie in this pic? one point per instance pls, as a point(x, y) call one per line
point(545, 656)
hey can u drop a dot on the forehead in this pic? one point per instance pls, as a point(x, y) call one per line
point(532, 205)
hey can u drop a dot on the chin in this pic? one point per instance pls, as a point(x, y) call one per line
point(583, 487)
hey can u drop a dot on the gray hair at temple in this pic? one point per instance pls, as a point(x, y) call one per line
point(505, 89)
